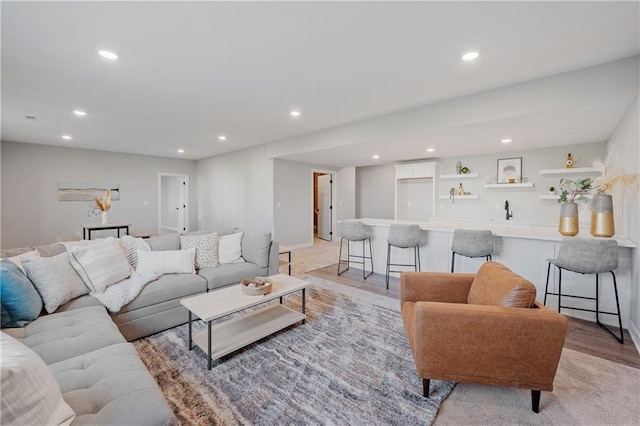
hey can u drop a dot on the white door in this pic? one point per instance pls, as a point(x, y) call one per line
point(324, 207)
point(174, 203)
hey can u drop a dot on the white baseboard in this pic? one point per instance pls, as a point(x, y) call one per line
point(299, 246)
point(635, 335)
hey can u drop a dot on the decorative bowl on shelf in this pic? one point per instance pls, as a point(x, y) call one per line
point(256, 286)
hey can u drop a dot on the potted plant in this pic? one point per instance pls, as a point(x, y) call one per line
point(570, 191)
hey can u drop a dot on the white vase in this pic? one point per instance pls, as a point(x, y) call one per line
point(104, 218)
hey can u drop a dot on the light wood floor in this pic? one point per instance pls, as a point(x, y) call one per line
point(582, 336)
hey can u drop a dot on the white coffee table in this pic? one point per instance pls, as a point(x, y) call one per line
point(228, 336)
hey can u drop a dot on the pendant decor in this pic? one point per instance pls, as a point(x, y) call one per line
point(568, 225)
point(602, 224)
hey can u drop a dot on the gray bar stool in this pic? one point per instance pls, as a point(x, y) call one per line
point(471, 243)
point(403, 236)
point(587, 257)
point(353, 231)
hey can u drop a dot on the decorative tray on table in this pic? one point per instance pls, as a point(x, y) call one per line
point(256, 286)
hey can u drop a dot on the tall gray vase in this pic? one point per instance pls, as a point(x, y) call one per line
point(568, 219)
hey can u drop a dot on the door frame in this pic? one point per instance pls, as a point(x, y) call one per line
point(186, 199)
point(334, 180)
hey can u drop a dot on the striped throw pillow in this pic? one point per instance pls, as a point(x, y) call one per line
point(101, 264)
point(167, 262)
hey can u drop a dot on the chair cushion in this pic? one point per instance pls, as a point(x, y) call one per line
point(496, 285)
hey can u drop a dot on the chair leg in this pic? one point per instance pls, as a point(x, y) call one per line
point(418, 253)
point(340, 258)
point(615, 289)
point(535, 401)
point(371, 256)
point(490, 258)
point(453, 260)
point(559, 287)
point(364, 266)
point(415, 258)
point(386, 275)
point(425, 388)
point(546, 288)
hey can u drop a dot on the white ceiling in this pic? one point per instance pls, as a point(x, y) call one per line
point(188, 72)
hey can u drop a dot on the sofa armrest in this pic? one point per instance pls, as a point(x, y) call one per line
point(496, 345)
point(274, 258)
point(434, 287)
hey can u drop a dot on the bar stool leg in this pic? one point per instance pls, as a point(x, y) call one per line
point(364, 269)
point(453, 260)
point(546, 288)
point(419, 264)
point(386, 275)
point(371, 256)
point(615, 289)
point(415, 259)
point(559, 287)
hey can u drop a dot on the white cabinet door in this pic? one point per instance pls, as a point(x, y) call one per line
point(404, 172)
point(423, 171)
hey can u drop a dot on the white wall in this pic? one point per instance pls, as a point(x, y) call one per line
point(524, 202)
point(375, 191)
point(293, 201)
point(346, 195)
point(31, 212)
point(624, 152)
point(236, 189)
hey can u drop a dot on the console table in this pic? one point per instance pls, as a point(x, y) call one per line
point(87, 228)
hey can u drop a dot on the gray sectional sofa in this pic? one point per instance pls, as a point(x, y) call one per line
point(99, 373)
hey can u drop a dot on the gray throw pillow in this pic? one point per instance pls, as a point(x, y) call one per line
point(255, 248)
point(165, 242)
point(55, 279)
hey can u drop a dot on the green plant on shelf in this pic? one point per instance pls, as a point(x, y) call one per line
point(571, 190)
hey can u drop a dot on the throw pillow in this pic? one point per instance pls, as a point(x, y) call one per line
point(165, 242)
point(100, 265)
point(18, 259)
point(130, 245)
point(255, 248)
point(21, 303)
point(206, 248)
point(30, 393)
point(230, 248)
point(55, 279)
point(166, 262)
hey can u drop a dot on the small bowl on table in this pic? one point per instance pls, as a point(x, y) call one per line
point(256, 286)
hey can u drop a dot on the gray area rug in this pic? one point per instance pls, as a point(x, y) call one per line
point(350, 364)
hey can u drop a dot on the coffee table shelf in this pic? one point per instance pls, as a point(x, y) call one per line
point(234, 334)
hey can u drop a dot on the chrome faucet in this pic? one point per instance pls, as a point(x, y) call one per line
point(506, 207)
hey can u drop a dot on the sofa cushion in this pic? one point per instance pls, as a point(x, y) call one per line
point(165, 242)
point(255, 248)
point(55, 279)
point(17, 260)
point(496, 285)
point(100, 265)
point(48, 250)
point(231, 273)
point(167, 262)
point(79, 302)
point(30, 394)
point(167, 287)
point(111, 386)
point(21, 303)
point(68, 334)
point(206, 246)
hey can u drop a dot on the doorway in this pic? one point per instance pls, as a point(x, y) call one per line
point(322, 205)
point(173, 203)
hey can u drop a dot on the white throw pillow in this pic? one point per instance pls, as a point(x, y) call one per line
point(17, 260)
point(230, 248)
point(101, 264)
point(167, 262)
point(30, 393)
point(206, 248)
point(55, 279)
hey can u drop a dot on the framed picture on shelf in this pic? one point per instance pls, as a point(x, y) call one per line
point(510, 170)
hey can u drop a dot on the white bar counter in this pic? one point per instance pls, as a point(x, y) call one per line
point(523, 248)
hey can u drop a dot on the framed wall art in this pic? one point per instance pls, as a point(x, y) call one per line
point(86, 191)
point(510, 170)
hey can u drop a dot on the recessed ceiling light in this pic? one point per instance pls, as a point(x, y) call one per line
point(505, 140)
point(295, 113)
point(376, 156)
point(430, 149)
point(107, 54)
point(222, 138)
point(80, 113)
point(181, 151)
point(470, 56)
point(66, 137)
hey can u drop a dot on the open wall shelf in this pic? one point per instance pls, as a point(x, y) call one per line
point(509, 185)
point(462, 176)
point(459, 197)
point(574, 171)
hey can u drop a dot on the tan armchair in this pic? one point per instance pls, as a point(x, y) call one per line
point(483, 328)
